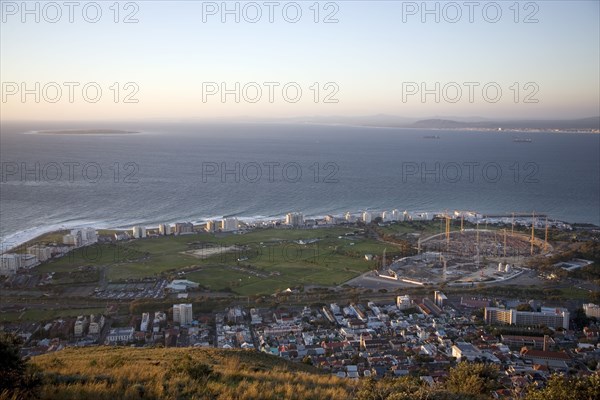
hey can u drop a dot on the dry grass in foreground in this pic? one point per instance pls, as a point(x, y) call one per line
point(181, 373)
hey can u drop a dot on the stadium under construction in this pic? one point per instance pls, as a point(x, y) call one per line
point(466, 256)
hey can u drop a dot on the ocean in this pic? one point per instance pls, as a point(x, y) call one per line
point(175, 171)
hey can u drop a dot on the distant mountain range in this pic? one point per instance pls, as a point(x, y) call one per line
point(571, 124)
point(434, 122)
point(392, 121)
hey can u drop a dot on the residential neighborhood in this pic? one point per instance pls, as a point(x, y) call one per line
point(408, 336)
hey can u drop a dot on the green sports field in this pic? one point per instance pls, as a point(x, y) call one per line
point(258, 262)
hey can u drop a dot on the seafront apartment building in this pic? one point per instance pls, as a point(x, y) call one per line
point(551, 317)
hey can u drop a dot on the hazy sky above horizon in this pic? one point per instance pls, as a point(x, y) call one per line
point(378, 58)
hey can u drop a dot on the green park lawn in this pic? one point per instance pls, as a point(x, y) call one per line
point(274, 254)
point(47, 315)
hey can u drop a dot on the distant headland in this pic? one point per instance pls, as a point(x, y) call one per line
point(84, 132)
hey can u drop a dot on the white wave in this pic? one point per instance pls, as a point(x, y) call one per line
point(16, 239)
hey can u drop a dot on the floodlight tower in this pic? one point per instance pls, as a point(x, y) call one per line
point(447, 232)
point(477, 243)
point(532, 232)
point(512, 228)
point(546, 237)
point(504, 242)
point(445, 270)
point(496, 243)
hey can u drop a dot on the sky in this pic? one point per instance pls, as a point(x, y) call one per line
point(194, 60)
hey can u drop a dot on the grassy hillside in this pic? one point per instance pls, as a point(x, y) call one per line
point(186, 373)
point(131, 373)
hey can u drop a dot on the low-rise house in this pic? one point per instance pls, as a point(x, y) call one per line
point(120, 335)
point(465, 351)
point(551, 359)
point(535, 342)
point(81, 325)
point(255, 317)
point(96, 324)
point(591, 332)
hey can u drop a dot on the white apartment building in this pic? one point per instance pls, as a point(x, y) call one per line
point(211, 226)
point(294, 219)
point(10, 263)
point(367, 217)
point(42, 253)
point(72, 240)
point(592, 310)
point(182, 313)
point(403, 302)
point(159, 317)
point(465, 351)
point(81, 325)
point(96, 324)
point(120, 335)
point(145, 321)
point(81, 237)
point(138, 232)
point(229, 224)
point(439, 298)
point(89, 236)
point(184, 228)
point(550, 317)
point(164, 229)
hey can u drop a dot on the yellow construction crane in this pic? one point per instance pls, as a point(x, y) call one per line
point(448, 220)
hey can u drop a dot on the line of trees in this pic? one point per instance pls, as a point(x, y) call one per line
point(475, 382)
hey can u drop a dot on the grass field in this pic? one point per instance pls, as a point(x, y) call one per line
point(46, 315)
point(264, 261)
point(429, 228)
point(425, 228)
point(277, 262)
point(128, 373)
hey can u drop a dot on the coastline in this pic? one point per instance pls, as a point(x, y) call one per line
point(32, 235)
point(83, 132)
point(425, 128)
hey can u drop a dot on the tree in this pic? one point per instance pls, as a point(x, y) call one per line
point(16, 376)
point(479, 313)
point(472, 380)
point(307, 360)
point(404, 388)
point(12, 366)
point(580, 320)
point(573, 388)
point(524, 307)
